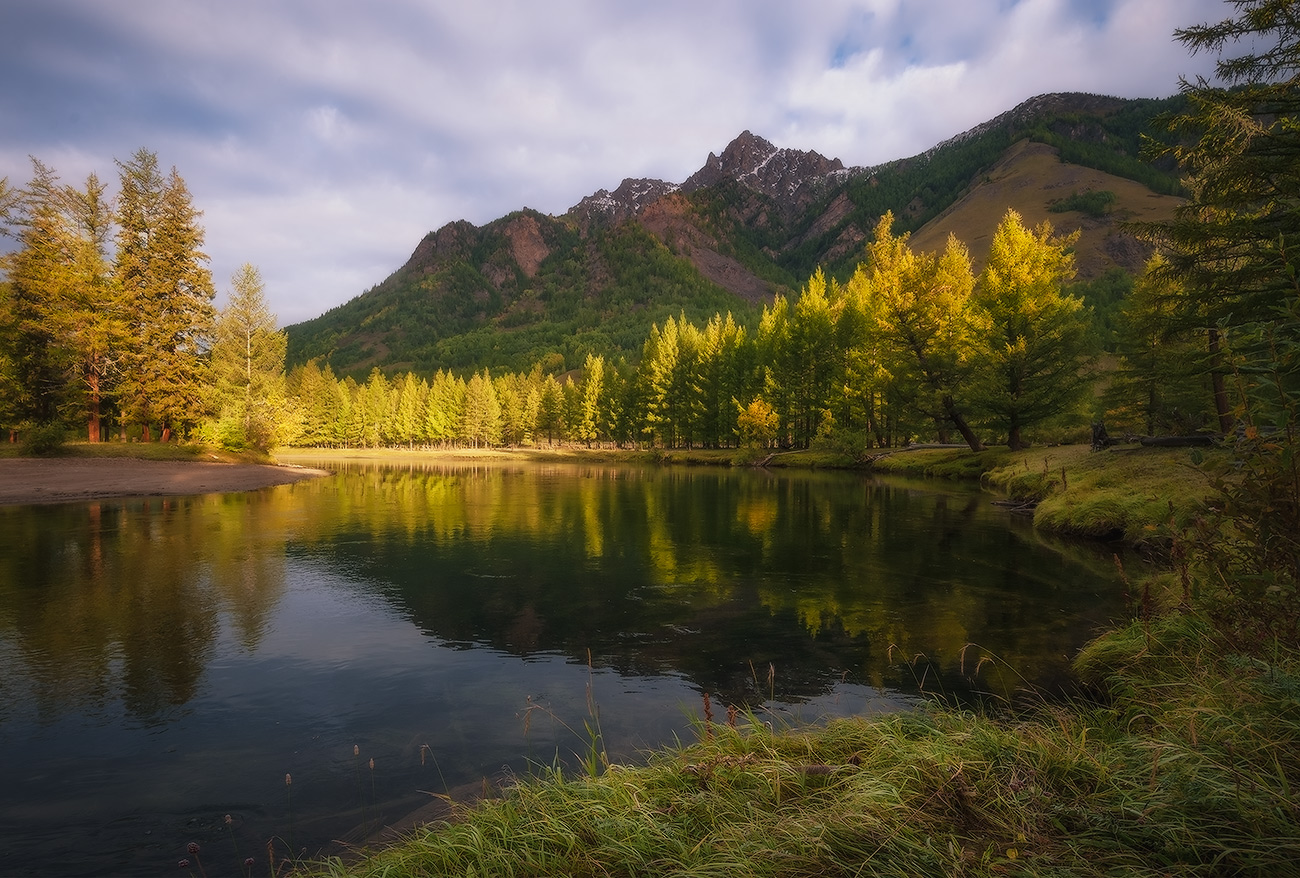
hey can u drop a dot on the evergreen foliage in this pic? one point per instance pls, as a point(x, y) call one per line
point(1033, 343)
point(1233, 251)
point(247, 362)
point(128, 335)
point(168, 289)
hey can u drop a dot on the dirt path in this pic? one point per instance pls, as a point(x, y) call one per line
point(68, 480)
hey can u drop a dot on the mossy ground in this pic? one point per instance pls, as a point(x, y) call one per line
point(1131, 492)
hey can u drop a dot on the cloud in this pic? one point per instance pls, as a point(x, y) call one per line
point(323, 138)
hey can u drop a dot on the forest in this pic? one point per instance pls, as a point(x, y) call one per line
point(913, 347)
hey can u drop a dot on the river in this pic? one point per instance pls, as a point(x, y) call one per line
point(309, 663)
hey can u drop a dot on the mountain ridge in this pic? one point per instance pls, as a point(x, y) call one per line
point(751, 223)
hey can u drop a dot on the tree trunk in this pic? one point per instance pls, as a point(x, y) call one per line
point(92, 427)
point(1013, 438)
point(1221, 407)
point(959, 421)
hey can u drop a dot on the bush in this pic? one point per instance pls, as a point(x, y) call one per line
point(43, 440)
point(1093, 202)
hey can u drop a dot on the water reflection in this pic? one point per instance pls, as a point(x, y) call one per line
point(708, 573)
point(169, 661)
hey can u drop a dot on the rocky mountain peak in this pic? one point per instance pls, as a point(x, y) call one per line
point(789, 176)
point(632, 195)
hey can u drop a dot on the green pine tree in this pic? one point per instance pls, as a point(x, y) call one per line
point(248, 366)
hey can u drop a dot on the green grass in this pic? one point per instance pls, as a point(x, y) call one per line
point(1188, 765)
point(141, 451)
point(1139, 494)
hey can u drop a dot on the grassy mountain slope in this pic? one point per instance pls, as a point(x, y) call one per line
point(1031, 178)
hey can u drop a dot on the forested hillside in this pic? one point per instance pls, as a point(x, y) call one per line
point(755, 222)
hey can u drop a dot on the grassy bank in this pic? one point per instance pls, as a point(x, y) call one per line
point(1189, 764)
point(1129, 492)
point(138, 451)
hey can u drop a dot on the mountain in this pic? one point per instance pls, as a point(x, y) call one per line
point(752, 222)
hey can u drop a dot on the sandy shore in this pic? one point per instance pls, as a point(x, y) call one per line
point(74, 479)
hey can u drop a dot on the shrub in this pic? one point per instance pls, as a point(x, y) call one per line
point(43, 440)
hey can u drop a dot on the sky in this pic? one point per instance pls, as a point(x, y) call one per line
point(322, 139)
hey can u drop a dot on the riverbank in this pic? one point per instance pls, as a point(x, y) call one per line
point(122, 470)
point(1129, 492)
point(1184, 758)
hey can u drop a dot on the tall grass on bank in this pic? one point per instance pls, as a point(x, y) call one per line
point(1131, 492)
point(1188, 764)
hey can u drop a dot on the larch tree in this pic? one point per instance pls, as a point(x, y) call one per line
point(1032, 343)
point(39, 273)
point(248, 366)
point(64, 313)
point(93, 320)
point(1158, 384)
point(922, 309)
point(590, 427)
point(444, 408)
point(1235, 244)
point(163, 274)
point(723, 379)
point(318, 397)
point(481, 418)
point(1235, 247)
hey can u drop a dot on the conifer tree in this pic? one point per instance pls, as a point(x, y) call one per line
point(164, 278)
point(410, 394)
point(1236, 241)
point(445, 408)
point(248, 366)
point(1032, 343)
point(1158, 385)
point(814, 359)
point(319, 399)
point(93, 319)
point(590, 425)
point(39, 275)
point(481, 419)
point(373, 410)
point(723, 373)
point(550, 410)
point(923, 321)
point(773, 345)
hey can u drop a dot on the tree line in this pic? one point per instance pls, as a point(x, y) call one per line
point(107, 316)
point(912, 347)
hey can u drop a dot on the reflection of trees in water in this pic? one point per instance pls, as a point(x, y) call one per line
point(122, 600)
point(705, 572)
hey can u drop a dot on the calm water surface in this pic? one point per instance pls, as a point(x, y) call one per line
point(168, 662)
